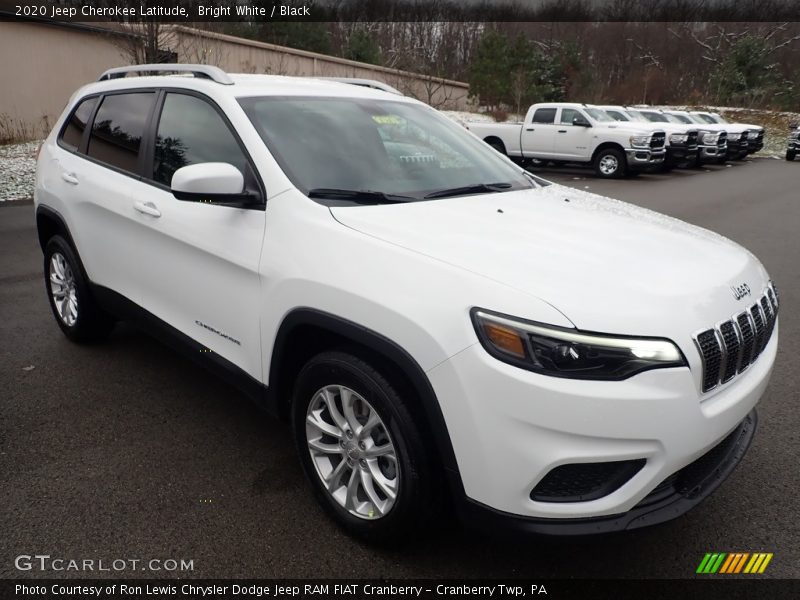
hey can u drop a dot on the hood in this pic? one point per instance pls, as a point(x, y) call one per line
point(629, 127)
point(605, 264)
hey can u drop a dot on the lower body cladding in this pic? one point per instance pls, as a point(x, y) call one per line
point(564, 456)
point(713, 153)
point(644, 157)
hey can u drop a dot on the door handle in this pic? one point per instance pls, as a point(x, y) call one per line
point(147, 208)
point(69, 178)
point(529, 129)
point(562, 131)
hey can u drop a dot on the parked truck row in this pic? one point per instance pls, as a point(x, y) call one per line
point(619, 140)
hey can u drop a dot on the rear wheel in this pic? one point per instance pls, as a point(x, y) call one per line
point(361, 450)
point(610, 163)
point(73, 306)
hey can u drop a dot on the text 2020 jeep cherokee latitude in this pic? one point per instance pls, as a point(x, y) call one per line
point(440, 327)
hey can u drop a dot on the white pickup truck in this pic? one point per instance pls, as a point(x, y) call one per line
point(576, 133)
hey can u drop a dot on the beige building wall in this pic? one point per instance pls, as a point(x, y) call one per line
point(41, 66)
point(238, 55)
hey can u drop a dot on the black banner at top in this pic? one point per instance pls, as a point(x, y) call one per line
point(187, 11)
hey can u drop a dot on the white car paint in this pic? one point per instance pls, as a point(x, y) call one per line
point(412, 273)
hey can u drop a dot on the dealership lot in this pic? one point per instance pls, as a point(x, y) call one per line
point(127, 450)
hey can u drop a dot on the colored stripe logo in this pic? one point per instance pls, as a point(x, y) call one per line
point(734, 562)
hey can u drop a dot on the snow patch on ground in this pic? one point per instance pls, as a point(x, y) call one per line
point(17, 170)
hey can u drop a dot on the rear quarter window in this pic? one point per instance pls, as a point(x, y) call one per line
point(72, 133)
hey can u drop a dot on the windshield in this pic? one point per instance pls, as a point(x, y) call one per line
point(672, 118)
point(329, 146)
point(635, 115)
point(655, 117)
point(599, 115)
point(682, 118)
point(697, 119)
point(706, 118)
point(720, 119)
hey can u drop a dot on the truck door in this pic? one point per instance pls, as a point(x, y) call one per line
point(572, 142)
point(537, 137)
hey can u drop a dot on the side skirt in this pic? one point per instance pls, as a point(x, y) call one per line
point(127, 310)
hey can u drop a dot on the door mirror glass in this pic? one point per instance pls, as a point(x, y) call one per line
point(580, 121)
point(215, 183)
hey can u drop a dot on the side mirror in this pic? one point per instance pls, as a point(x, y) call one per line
point(214, 183)
point(581, 122)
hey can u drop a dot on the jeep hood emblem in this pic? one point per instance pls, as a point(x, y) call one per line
point(740, 291)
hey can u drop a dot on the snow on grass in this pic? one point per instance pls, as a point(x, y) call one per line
point(17, 170)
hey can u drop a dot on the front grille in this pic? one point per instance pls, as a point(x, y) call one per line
point(691, 139)
point(723, 139)
point(732, 346)
point(658, 139)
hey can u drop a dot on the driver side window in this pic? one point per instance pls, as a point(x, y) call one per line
point(568, 115)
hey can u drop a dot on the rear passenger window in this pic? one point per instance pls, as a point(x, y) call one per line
point(72, 135)
point(191, 131)
point(118, 128)
point(544, 115)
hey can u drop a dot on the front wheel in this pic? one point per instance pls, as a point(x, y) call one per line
point(790, 154)
point(610, 164)
point(360, 448)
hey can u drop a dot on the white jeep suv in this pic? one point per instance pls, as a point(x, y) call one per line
point(441, 328)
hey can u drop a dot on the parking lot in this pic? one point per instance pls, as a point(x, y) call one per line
point(127, 450)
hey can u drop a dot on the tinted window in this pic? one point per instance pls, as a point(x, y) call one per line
point(567, 115)
point(544, 115)
point(190, 131)
point(73, 132)
point(617, 115)
point(118, 128)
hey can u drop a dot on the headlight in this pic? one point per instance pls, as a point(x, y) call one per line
point(564, 352)
point(752, 135)
point(710, 138)
point(732, 137)
point(678, 138)
point(640, 141)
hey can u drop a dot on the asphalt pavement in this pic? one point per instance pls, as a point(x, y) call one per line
point(126, 450)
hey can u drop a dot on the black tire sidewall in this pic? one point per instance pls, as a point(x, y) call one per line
point(621, 162)
point(414, 498)
point(91, 323)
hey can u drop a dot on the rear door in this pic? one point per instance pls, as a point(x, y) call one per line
point(200, 261)
point(572, 141)
point(537, 137)
point(98, 164)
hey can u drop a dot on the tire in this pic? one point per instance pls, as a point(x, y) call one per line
point(498, 146)
point(610, 163)
point(790, 154)
point(331, 447)
point(71, 301)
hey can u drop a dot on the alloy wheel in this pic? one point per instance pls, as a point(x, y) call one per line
point(63, 289)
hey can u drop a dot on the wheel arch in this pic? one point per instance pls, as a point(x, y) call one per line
point(305, 332)
point(493, 139)
point(607, 146)
point(49, 222)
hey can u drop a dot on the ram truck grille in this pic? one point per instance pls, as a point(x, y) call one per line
point(658, 139)
point(691, 139)
point(729, 348)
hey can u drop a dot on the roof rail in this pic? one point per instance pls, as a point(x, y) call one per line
point(204, 71)
point(368, 83)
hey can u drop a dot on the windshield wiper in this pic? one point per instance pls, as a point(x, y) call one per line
point(478, 188)
point(361, 196)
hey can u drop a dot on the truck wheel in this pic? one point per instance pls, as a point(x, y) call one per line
point(790, 154)
point(72, 303)
point(497, 145)
point(361, 450)
point(610, 164)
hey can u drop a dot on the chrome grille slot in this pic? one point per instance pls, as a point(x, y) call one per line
point(733, 345)
point(658, 139)
point(748, 339)
point(730, 339)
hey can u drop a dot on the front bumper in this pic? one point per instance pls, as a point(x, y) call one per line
point(712, 153)
point(643, 157)
point(510, 428)
point(738, 148)
point(676, 154)
point(754, 145)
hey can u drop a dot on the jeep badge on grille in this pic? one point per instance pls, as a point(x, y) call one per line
point(740, 291)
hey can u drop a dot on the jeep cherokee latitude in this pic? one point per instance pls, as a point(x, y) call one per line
point(440, 328)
